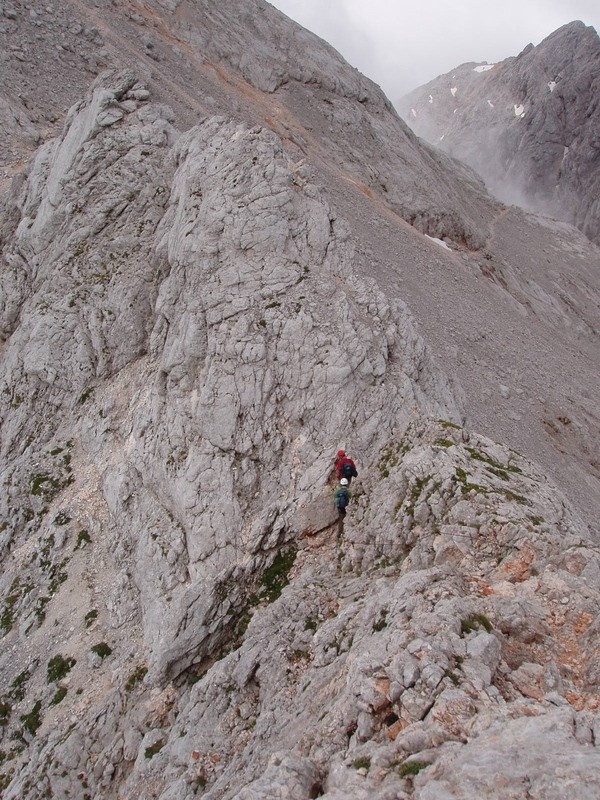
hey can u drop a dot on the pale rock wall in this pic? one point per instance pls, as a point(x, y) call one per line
point(187, 341)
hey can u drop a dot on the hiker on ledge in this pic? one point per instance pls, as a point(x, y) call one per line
point(342, 496)
point(345, 467)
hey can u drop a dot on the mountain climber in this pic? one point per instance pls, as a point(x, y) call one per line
point(342, 496)
point(345, 466)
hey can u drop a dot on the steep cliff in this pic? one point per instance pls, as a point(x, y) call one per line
point(528, 125)
point(194, 318)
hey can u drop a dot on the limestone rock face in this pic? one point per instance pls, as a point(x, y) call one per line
point(528, 125)
point(199, 305)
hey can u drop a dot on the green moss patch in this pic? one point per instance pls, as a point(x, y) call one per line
point(445, 423)
point(275, 578)
point(32, 720)
point(479, 456)
point(59, 696)
point(59, 667)
point(408, 768)
point(83, 538)
point(474, 622)
point(151, 751)
point(137, 676)
point(462, 477)
point(101, 649)
point(90, 617)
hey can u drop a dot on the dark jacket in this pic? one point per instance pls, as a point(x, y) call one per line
point(342, 497)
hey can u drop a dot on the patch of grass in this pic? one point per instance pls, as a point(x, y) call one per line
point(474, 622)
point(305, 273)
point(40, 609)
point(310, 624)
point(90, 617)
point(32, 720)
point(453, 677)
point(412, 768)
point(518, 498)
point(83, 538)
point(101, 649)
point(80, 249)
point(478, 456)
point(85, 396)
point(7, 618)
point(536, 520)
point(151, 751)
point(364, 762)
point(445, 423)
point(194, 676)
point(242, 624)
point(44, 485)
point(444, 442)
point(59, 696)
point(59, 667)
point(501, 473)
point(62, 518)
point(298, 656)
point(135, 677)
point(58, 577)
point(18, 685)
point(5, 711)
point(462, 477)
point(275, 578)
point(417, 488)
point(391, 456)
point(381, 622)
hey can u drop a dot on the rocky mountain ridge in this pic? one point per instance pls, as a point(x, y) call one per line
point(194, 319)
point(528, 125)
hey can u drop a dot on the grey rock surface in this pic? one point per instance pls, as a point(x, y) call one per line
point(528, 125)
point(194, 318)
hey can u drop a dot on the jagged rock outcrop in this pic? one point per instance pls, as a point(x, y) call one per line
point(528, 125)
point(193, 319)
point(451, 624)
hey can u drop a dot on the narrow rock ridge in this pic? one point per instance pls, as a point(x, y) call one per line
point(194, 318)
point(454, 618)
point(246, 61)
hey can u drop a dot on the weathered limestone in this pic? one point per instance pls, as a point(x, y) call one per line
point(191, 328)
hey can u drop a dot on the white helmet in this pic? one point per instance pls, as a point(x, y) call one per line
point(344, 482)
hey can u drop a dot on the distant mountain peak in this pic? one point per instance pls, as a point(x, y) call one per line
point(528, 126)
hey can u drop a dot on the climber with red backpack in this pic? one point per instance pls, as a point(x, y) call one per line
point(345, 466)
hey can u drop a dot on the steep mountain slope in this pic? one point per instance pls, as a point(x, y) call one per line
point(193, 320)
point(528, 125)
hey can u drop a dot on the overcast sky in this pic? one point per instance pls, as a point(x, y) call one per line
point(401, 44)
